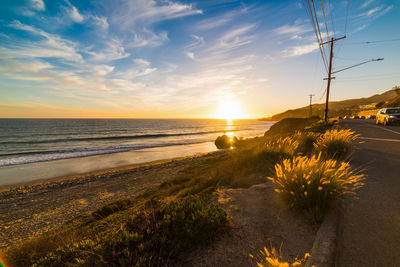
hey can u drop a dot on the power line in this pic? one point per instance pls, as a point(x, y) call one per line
point(374, 42)
point(326, 26)
point(347, 15)
point(307, 6)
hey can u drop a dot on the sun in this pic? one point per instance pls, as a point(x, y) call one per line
point(230, 110)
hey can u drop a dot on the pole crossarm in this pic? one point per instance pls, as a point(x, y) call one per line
point(333, 40)
point(365, 62)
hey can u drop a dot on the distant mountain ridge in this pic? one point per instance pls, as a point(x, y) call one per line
point(344, 107)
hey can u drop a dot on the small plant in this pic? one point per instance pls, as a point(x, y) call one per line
point(313, 184)
point(275, 259)
point(287, 146)
point(305, 142)
point(335, 143)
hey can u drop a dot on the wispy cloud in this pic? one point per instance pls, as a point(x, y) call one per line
point(101, 22)
point(73, 13)
point(190, 55)
point(113, 50)
point(198, 42)
point(148, 12)
point(367, 3)
point(148, 38)
point(292, 29)
point(52, 46)
point(234, 38)
point(300, 50)
point(37, 5)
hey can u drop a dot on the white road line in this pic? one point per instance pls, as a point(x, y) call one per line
point(378, 139)
point(386, 129)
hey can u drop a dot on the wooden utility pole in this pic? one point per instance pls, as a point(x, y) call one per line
point(329, 75)
point(310, 95)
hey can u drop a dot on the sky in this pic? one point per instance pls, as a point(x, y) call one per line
point(187, 59)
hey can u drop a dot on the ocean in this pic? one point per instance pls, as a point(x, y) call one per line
point(24, 141)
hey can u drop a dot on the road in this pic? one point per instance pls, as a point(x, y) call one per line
point(369, 228)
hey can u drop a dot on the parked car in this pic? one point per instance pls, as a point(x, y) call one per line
point(371, 117)
point(388, 116)
point(346, 117)
point(362, 117)
point(355, 117)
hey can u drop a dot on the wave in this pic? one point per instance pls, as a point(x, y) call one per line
point(41, 156)
point(118, 137)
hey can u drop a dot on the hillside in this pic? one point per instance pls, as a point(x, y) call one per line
point(344, 107)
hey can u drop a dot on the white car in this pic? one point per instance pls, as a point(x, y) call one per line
point(388, 116)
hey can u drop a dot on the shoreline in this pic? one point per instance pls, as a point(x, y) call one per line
point(29, 173)
point(32, 208)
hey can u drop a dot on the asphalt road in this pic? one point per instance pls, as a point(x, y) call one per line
point(369, 228)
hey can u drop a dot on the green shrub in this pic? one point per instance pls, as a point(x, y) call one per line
point(154, 237)
point(313, 184)
point(335, 143)
point(111, 208)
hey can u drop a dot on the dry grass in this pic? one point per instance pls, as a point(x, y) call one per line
point(313, 184)
point(335, 143)
point(274, 258)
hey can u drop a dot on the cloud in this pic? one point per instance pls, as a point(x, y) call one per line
point(101, 22)
point(138, 17)
point(220, 20)
point(148, 38)
point(103, 70)
point(300, 50)
point(292, 29)
point(190, 55)
point(234, 38)
point(367, 3)
point(37, 5)
point(146, 12)
point(141, 62)
point(113, 50)
point(51, 46)
point(73, 13)
point(373, 10)
point(198, 42)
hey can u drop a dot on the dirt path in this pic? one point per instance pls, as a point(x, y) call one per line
point(31, 209)
point(258, 219)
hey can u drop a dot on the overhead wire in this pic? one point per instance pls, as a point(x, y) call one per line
point(319, 31)
point(326, 26)
point(374, 42)
point(309, 11)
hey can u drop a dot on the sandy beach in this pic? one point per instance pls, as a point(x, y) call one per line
point(31, 208)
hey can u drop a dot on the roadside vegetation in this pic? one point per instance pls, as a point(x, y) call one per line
point(312, 184)
point(274, 258)
point(167, 222)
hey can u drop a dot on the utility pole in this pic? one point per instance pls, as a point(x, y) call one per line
point(310, 95)
point(328, 86)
